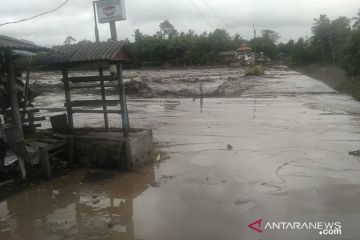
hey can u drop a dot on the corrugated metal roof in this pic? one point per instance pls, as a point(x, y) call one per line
point(244, 48)
point(9, 43)
point(87, 52)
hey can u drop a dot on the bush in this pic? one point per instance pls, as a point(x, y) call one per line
point(255, 71)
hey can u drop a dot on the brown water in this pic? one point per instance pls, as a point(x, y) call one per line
point(279, 152)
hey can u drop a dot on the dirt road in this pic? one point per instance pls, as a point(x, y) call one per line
point(276, 148)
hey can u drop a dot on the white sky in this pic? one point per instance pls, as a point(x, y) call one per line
point(291, 18)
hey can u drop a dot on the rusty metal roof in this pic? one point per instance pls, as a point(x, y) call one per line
point(244, 48)
point(111, 51)
point(9, 43)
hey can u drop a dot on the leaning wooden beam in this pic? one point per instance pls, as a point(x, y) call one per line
point(19, 147)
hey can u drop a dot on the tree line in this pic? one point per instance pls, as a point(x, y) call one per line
point(334, 41)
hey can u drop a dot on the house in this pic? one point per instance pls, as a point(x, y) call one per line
point(245, 55)
point(227, 56)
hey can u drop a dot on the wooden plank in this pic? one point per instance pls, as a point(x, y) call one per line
point(50, 140)
point(90, 79)
point(32, 110)
point(35, 119)
point(93, 86)
point(60, 150)
point(95, 111)
point(55, 146)
point(92, 103)
point(103, 97)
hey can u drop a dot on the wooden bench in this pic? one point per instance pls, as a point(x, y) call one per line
point(53, 146)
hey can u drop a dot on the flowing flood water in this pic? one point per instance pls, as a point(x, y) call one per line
point(274, 148)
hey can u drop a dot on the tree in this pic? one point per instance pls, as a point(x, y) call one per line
point(352, 59)
point(340, 34)
point(167, 30)
point(270, 35)
point(321, 38)
point(69, 40)
point(356, 24)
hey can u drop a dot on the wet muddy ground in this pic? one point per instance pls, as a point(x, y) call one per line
point(274, 147)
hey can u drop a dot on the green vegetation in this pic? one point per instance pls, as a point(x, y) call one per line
point(170, 47)
point(255, 71)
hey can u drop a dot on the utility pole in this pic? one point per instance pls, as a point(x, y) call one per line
point(254, 30)
point(113, 30)
point(111, 24)
point(97, 38)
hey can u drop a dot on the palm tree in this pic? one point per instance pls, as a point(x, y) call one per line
point(356, 24)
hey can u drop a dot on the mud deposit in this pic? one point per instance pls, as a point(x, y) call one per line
point(277, 150)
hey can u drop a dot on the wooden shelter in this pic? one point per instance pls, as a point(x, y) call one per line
point(13, 128)
point(101, 54)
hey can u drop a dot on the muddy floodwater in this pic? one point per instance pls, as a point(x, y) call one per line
point(274, 148)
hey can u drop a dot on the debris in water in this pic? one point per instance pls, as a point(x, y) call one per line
point(229, 147)
point(155, 184)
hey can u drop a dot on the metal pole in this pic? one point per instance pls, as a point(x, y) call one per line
point(97, 38)
point(113, 30)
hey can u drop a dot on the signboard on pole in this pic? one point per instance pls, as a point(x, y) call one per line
point(110, 10)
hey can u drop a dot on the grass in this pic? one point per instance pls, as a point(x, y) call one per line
point(255, 71)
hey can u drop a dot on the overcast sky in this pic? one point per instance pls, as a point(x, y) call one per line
point(291, 18)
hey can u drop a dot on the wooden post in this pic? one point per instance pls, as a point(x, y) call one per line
point(124, 116)
point(67, 96)
point(103, 97)
point(19, 148)
point(27, 83)
point(45, 160)
point(123, 103)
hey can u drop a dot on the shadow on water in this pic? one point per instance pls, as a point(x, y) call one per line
point(88, 204)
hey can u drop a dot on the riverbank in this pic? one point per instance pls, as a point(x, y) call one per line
point(334, 76)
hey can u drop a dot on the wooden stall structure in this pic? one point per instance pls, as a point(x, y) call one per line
point(89, 55)
point(14, 114)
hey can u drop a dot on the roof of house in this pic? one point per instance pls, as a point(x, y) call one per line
point(9, 43)
point(111, 51)
point(244, 48)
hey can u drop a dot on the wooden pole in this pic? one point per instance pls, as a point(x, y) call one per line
point(123, 103)
point(19, 147)
point(124, 117)
point(67, 96)
point(27, 83)
point(103, 97)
